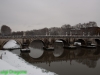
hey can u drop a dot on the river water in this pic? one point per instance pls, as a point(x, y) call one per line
point(63, 61)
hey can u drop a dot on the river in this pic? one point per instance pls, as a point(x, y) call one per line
point(80, 61)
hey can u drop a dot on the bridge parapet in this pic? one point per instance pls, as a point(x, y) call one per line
point(50, 36)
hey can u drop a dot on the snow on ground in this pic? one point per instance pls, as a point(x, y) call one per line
point(4, 66)
point(11, 44)
point(14, 62)
point(77, 43)
point(58, 41)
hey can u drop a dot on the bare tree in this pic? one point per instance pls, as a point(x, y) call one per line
point(5, 30)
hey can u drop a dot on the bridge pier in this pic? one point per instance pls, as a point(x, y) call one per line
point(69, 42)
point(1, 47)
point(25, 43)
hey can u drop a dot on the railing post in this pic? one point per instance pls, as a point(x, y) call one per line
point(24, 34)
point(46, 33)
point(66, 33)
point(88, 33)
point(49, 33)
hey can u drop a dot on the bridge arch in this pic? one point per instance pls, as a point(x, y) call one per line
point(97, 41)
point(18, 42)
point(33, 40)
point(83, 42)
point(63, 41)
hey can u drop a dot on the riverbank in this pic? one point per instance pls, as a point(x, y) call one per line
point(10, 61)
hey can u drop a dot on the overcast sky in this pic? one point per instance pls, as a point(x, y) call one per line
point(35, 14)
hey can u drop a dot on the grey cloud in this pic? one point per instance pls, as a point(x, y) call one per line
point(47, 13)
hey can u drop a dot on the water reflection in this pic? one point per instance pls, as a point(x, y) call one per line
point(92, 56)
point(16, 51)
point(97, 51)
point(64, 61)
point(81, 56)
point(36, 49)
point(91, 63)
point(35, 53)
point(69, 60)
point(58, 49)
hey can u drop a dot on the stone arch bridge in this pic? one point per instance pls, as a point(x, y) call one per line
point(48, 40)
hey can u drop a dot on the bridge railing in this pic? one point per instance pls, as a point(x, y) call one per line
point(52, 36)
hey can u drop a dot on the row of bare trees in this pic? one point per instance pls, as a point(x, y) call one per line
point(65, 29)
